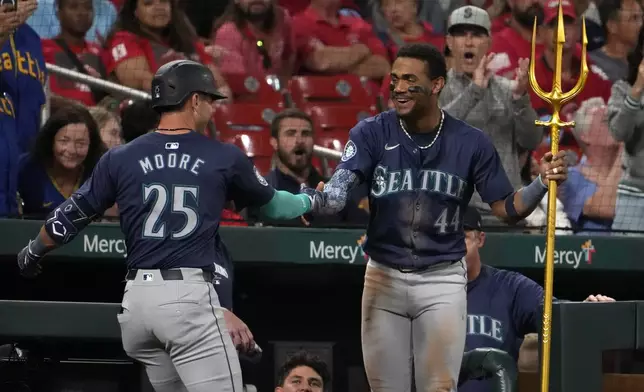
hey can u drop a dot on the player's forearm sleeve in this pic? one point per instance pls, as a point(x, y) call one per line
point(337, 191)
point(285, 205)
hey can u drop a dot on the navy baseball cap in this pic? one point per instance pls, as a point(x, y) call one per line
point(472, 219)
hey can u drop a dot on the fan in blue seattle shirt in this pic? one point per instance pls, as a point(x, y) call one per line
point(23, 76)
point(8, 157)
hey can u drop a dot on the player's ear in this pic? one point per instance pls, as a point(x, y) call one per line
point(449, 41)
point(273, 142)
point(481, 241)
point(438, 85)
point(194, 100)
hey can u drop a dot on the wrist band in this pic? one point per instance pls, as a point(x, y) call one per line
point(37, 247)
point(509, 206)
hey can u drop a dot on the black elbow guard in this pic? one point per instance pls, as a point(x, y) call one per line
point(68, 219)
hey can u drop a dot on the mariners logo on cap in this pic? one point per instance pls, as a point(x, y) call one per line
point(467, 13)
point(349, 151)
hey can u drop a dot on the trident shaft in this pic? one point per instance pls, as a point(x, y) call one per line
point(555, 98)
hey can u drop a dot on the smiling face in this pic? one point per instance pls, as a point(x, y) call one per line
point(71, 145)
point(154, 14)
point(406, 73)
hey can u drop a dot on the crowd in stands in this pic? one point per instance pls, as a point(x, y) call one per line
point(299, 73)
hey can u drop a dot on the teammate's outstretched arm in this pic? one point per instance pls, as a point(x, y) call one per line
point(249, 188)
point(63, 224)
point(495, 189)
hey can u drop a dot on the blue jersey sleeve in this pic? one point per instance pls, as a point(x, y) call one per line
point(248, 187)
point(359, 152)
point(528, 298)
point(574, 192)
point(99, 191)
point(491, 180)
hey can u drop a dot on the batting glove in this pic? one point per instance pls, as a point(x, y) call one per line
point(317, 198)
point(28, 262)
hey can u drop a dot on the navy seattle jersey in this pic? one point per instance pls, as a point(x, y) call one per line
point(23, 75)
point(418, 196)
point(170, 191)
point(502, 307)
point(8, 157)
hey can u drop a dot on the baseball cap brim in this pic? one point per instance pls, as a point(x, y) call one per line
point(217, 96)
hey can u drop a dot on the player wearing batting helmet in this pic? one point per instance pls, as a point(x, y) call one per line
point(423, 166)
point(171, 186)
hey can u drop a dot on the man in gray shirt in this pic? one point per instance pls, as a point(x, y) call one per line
point(498, 106)
point(622, 22)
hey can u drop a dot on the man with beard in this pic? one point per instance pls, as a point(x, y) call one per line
point(292, 139)
point(255, 38)
point(498, 106)
point(423, 166)
point(514, 41)
point(71, 50)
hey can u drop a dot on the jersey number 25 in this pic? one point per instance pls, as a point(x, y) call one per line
point(154, 226)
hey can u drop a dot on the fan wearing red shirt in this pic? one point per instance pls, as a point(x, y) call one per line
point(334, 44)
point(256, 39)
point(405, 27)
point(148, 34)
point(597, 84)
point(514, 42)
point(76, 18)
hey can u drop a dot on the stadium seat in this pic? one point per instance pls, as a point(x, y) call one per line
point(333, 123)
point(331, 90)
point(249, 89)
point(337, 118)
point(248, 127)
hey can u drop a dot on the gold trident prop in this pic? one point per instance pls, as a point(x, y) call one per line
point(556, 98)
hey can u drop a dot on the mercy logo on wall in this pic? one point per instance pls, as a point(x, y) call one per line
point(319, 250)
point(567, 257)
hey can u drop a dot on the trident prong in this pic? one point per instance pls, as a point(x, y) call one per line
point(556, 98)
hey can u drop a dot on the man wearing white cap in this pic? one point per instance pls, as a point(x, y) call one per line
point(473, 93)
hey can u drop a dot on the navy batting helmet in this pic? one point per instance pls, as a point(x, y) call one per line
point(177, 80)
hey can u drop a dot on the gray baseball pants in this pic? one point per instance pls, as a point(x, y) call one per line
point(176, 329)
point(413, 327)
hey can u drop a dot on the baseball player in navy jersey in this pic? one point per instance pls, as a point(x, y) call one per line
point(171, 186)
point(423, 166)
point(502, 306)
